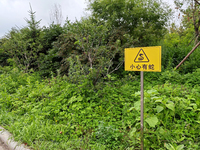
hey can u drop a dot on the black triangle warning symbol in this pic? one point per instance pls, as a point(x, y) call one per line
point(141, 57)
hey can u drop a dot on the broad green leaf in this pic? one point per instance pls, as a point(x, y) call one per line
point(181, 139)
point(155, 98)
point(189, 108)
point(162, 131)
point(137, 105)
point(170, 106)
point(75, 99)
point(159, 109)
point(180, 147)
point(169, 146)
point(194, 106)
point(158, 101)
point(152, 92)
point(137, 94)
point(152, 121)
point(133, 130)
point(198, 122)
point(131, 109)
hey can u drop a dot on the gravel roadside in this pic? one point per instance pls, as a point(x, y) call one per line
point(3, 146)
point(6, 143)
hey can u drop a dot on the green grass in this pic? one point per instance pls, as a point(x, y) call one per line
point(55, 114)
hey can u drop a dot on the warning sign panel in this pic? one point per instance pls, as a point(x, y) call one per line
point(143, 59)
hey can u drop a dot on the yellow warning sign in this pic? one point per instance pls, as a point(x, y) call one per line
point(143, 59)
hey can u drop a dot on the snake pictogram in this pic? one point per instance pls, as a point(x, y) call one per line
point(141, 57)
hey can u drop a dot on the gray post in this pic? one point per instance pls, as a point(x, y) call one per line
point(142, 110)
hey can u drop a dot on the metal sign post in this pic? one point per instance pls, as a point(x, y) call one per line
point(142, 109)
point(143, 59)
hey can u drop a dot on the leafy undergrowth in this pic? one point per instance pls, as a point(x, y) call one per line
point(55, 114)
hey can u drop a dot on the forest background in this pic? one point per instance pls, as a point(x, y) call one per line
point(64, 86)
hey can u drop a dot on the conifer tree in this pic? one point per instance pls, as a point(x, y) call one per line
point(23, 45)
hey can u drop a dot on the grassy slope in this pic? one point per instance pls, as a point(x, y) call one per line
point(54, 114)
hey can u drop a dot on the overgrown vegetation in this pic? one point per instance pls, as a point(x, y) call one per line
point(64, 87)
point(55, 114)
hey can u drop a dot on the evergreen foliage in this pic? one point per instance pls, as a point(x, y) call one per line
point(23, 45)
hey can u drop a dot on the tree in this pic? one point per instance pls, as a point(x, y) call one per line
point(33, 25)
point(3, 55)
point(90, 50)
point(144, 20)
point(23, 45)
point(191, 15)
point(48, 61)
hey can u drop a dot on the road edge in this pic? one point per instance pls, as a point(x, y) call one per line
point(6, 137)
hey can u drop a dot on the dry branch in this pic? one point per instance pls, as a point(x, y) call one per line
point(188, 55)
